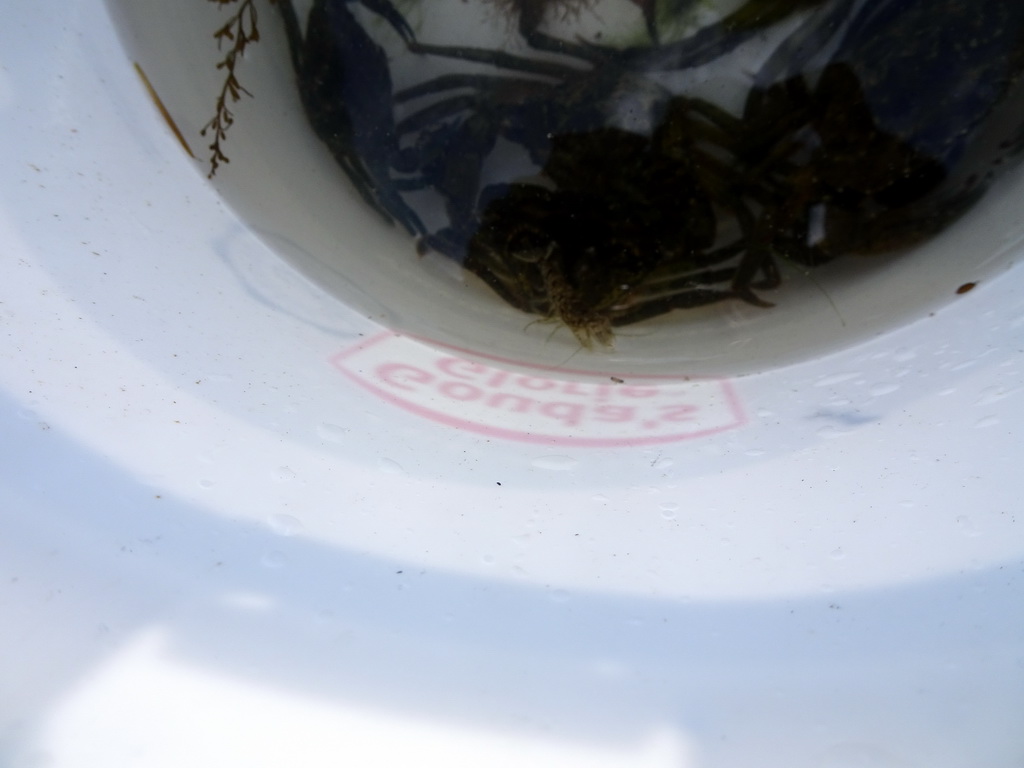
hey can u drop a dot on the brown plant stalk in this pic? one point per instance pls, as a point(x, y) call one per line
point(237, 33)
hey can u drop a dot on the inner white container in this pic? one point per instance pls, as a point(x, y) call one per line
point(283, 182)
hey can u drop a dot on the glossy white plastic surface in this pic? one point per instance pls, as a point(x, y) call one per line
point(240, 525)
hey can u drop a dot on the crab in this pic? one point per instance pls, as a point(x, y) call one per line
point(639, 201)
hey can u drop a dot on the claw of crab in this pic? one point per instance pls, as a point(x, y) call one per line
point(647, 7)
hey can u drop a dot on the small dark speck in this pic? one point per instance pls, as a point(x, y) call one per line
point(499, 483)
point(397, 571)
point(849, 418)
point(965, 287)
point(617, 380)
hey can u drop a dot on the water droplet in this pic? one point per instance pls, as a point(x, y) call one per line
point(284, 525)
point(27, 413)
point(883, 388)
point(555, 463)
point(968, 527)
point(390, 467)
point(283, 474)
point(903, 354)
point(988, 421)
point(559, 596)
point(906, 503)
point(836, 378)
point(274, 559)
point(831, 432)
point(206, 484)
point(837, 554)
point(611, 669)
point(754, 453)
point(669, 510)
point(249, 601)
point(600, 498)
point(488, 559)
point(994, 395)
point(332, 433)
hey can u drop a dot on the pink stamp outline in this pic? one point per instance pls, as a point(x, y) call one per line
point(464, 394)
